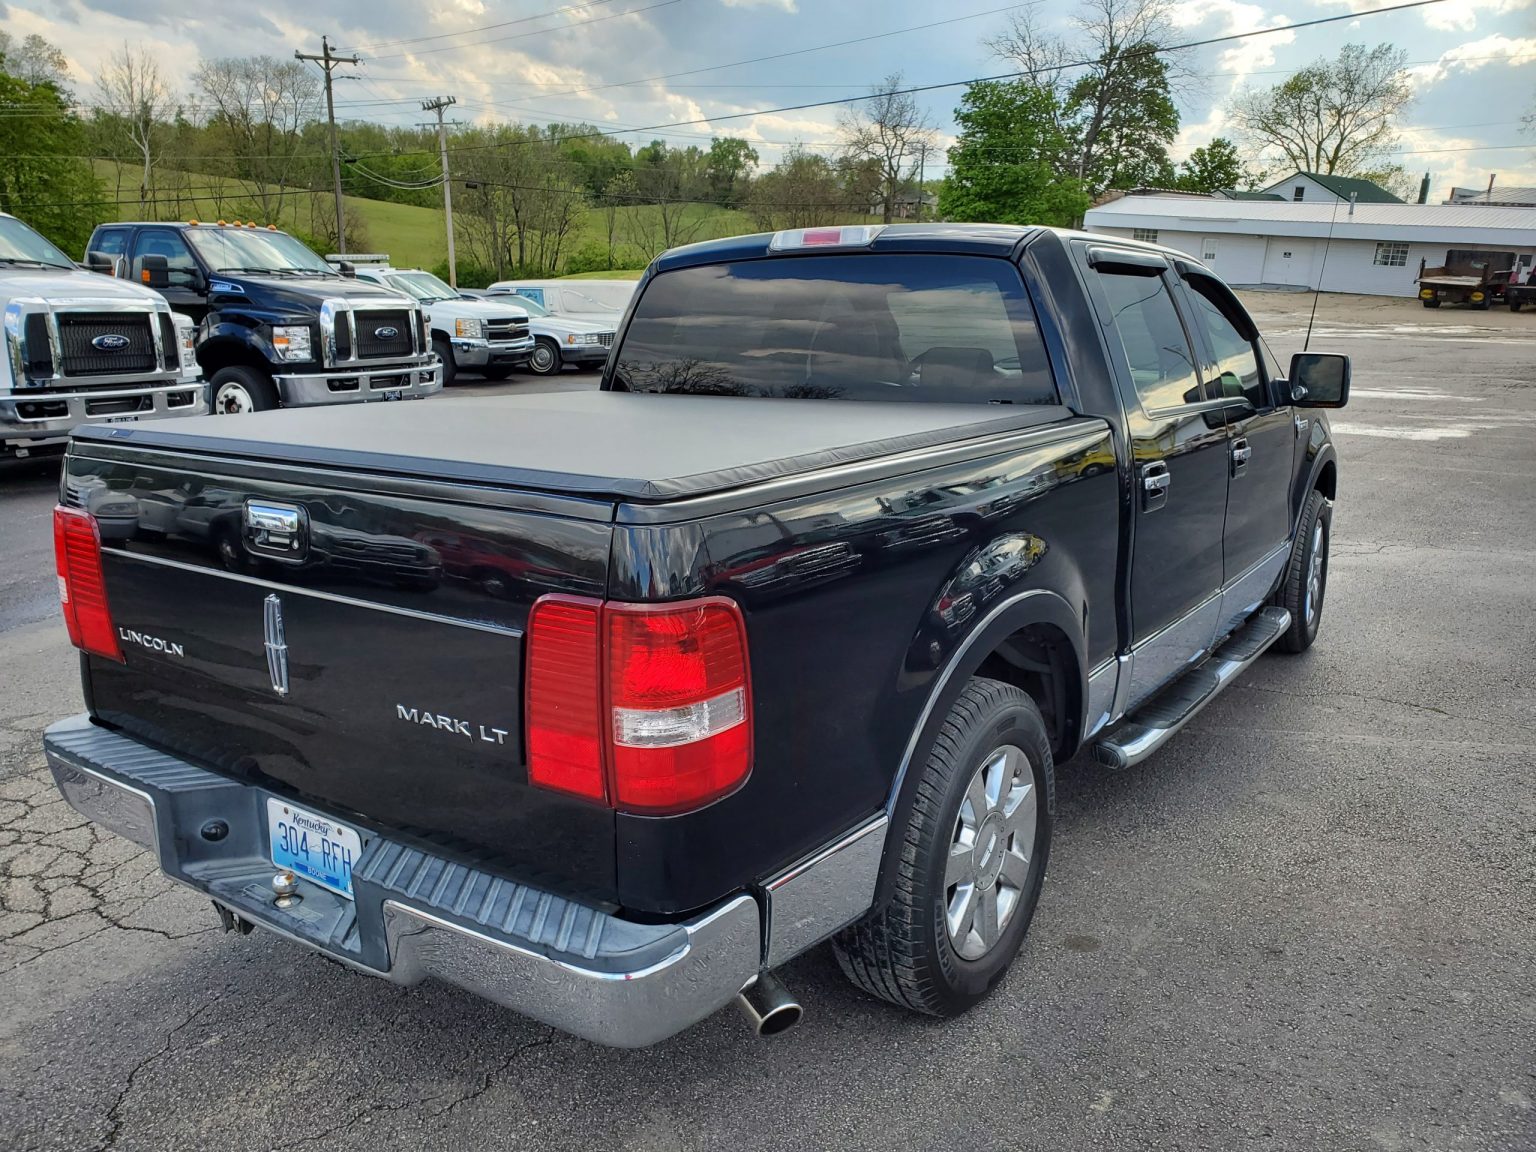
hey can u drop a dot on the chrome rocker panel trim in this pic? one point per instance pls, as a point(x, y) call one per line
point(824, 892)
point(573, 967)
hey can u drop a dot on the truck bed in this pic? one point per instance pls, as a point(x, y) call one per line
point(613, 445)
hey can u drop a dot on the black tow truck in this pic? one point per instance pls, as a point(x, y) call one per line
point(776, 638)
point(278, 326)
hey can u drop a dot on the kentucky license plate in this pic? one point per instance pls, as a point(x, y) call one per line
point(312, 846)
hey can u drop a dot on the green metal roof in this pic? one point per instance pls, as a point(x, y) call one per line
point(1364, 191)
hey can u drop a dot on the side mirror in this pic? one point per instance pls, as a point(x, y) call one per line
point(346, 269)
point(155, 271)
point(1319, 380)
point(100, 262)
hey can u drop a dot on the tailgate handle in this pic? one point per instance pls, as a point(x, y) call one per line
point(275, 529)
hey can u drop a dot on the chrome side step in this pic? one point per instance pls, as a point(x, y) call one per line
point(1149, 727)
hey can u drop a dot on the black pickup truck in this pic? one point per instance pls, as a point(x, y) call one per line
point(774, 639)
point(278, 326)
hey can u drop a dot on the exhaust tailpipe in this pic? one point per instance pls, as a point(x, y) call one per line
point(768, 1006)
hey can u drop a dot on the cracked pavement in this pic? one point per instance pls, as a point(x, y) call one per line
point(1307, 923)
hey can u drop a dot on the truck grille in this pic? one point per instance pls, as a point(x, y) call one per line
point(82, 358)
point(372, 346)
point(506, 328)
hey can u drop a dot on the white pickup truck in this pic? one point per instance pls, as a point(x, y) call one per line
point(82, 348)
point(490, 337)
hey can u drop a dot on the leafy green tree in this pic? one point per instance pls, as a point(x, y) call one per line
point(42, 178)
point(1005, 165)
point(728, 168)
point(1214, 167)
point(802, 190)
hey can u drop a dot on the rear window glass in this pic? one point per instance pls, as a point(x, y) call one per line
point(941, 329)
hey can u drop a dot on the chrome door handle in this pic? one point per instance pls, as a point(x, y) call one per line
point(1301, 424)
point(1240, 454)
point(1155, 482)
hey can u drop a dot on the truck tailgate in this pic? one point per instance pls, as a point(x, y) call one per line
point(371, 665)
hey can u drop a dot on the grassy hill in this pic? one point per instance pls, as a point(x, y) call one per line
point(413, 237)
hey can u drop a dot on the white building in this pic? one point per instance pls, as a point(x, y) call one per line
point(1375, 248)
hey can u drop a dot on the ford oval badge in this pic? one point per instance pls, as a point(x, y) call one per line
point(111, 342)
point(386, 333)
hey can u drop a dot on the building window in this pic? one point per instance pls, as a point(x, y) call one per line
point(1147, 234)
point(1299, 192)
point(1391, 254)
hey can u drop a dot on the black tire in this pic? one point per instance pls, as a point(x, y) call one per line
point(241, 388)
point(496, 371)
point(444, 352)
point(1432, 302)
point(905, 953)
point(1296, 594)
point(1480, 305)
point(1516, 305)
point(545, 360)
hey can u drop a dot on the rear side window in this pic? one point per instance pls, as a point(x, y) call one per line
point(940, 329)
point(1156, 349)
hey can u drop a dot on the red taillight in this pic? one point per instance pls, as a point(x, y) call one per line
point(82, 587)
point(646, 707)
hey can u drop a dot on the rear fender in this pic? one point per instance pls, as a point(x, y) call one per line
point(1014, 613)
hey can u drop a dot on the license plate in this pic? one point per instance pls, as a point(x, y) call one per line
point(393, 395)
point(312, 846)
point(122, 419)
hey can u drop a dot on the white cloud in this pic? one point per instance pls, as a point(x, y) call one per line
point(1474, 54)
point(1461, 15)
point(787, 5)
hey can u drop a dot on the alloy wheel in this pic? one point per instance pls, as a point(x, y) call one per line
point(1315, 572)
point(989, 853)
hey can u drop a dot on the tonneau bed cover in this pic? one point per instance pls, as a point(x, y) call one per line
point(615, 445)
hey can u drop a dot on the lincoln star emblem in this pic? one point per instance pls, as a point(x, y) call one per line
point(111, 342)
point(386, 333)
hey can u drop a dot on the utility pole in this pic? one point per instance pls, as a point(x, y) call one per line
point(329, 63)
point(437, 106)
point(922, 175)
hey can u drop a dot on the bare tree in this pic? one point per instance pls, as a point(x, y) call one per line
point(1334, 116)
point(892, 134)
point(1112, 86)
point(130, 88)
point(263, 104)
point(671, 187)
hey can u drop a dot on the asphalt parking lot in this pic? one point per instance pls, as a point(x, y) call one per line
point(1308, 923)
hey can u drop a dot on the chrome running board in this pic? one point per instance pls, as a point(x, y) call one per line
point(1147, 729)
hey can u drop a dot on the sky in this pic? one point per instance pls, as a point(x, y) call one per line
point(663, 65)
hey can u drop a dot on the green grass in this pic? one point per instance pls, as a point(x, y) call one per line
point(412, 237)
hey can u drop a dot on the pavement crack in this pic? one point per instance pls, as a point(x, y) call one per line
point(494, 1074)
point(1353, 696)
point(114, 1116)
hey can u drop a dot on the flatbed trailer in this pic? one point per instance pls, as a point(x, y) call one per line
point(1475, 279)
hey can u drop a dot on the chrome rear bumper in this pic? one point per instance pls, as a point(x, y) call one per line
point(569, 965)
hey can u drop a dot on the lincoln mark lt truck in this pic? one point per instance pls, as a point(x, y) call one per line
point(865, 531)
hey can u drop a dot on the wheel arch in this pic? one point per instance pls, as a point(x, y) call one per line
point(1033, 640)
point(224, 350)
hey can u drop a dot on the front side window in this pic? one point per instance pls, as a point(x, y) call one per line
point(847, 327)
point(1391, 254)
point(1234, 371)
point(181, 267)
point(1156, 349)
point(531, 307)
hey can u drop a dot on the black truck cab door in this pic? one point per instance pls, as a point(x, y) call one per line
point(188, 287)
point(1181, 464)
point(1262, 439)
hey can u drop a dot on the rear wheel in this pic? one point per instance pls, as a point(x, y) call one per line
point(1515, 305)
point(545, 360)
point(1306, 576)
point(972, 859)
point(241, 388)
point(444, 352)
point(1432, 302)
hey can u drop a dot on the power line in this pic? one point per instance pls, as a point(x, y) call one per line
point(528, 35)
point(480, 28)
point(1015, 75)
